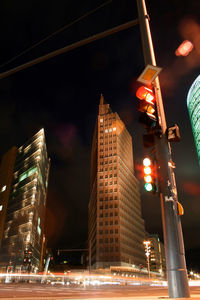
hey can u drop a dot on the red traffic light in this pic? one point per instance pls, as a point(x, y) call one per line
point(144, 93)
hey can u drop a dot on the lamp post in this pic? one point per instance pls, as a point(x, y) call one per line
point(147, 253)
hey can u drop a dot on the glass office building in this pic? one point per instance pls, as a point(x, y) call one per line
point(22, 240)
point(193, 104)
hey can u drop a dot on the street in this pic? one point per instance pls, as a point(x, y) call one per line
point(38, 291)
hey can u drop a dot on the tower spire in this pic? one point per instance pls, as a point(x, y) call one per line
point(102, 99)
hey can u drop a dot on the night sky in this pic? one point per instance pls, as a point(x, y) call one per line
point(62, 95)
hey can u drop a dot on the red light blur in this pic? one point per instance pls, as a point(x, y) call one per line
point(143, 93)
point(191, 188)
point(184, 49)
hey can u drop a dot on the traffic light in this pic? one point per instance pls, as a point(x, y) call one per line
point(147, 107)
point(149, 175)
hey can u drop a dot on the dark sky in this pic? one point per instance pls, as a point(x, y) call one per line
point(62, 95)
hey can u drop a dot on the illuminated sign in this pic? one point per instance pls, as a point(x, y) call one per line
point(149, 74)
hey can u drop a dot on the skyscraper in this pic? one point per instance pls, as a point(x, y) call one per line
point(23, 226)
point(193, 104)
point(116, 227)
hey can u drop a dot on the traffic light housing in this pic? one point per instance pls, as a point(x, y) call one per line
point(149, 173)
point(146, 106)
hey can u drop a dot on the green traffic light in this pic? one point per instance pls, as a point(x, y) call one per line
point(148, 187)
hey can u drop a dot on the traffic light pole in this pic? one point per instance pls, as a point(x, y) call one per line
point(172, 229)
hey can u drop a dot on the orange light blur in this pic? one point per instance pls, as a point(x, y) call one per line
point(143, 93)
point(148, 178)
point(184, 49)
point(147, 170)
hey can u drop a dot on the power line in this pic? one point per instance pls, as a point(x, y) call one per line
point(55, 33)
point(70, 47)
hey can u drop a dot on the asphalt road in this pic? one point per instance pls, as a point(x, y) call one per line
point(38, 291)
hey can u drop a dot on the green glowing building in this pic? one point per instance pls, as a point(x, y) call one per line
point(193, 104)
point(22, 205)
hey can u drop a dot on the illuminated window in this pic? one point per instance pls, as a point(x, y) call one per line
point(1, 207)
point(114, 129)
point(101, 120)
point(106, 130)
point(3, 188)
point(27, 173)
point(110, 129)
point(27, 149)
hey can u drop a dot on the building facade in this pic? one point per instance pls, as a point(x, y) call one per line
point(157, 255)
point(193, 104)
point(23, 228)
point(116, 227)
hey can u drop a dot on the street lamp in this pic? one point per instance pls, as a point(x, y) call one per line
point(147, 253)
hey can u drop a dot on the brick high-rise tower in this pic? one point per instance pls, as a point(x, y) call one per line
point(116, 227)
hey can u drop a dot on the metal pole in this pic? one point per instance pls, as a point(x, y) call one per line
point(148, 266)
point(172, 230)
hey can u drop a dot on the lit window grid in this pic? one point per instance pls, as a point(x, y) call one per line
point(26, 230)
point(193, 102)
point(102, 191)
